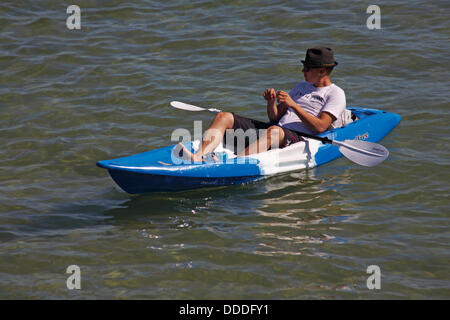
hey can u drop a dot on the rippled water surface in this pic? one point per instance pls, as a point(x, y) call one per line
point(69, 98)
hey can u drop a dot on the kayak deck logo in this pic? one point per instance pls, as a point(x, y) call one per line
point(363, 136)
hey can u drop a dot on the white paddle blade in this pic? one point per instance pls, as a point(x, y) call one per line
point(185, 106)
point(364, 153)
point(190, 107)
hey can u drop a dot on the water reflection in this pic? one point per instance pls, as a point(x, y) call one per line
point(302, 211)
point(289, 214)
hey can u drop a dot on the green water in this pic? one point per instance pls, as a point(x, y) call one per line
point(69, 98)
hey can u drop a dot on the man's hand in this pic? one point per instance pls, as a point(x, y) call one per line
point(284, 97)
point(270, 95)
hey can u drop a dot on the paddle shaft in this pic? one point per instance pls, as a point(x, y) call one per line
point(306, 135)
point(325, 140)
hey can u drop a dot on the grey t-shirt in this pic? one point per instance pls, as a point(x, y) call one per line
point(314, 100)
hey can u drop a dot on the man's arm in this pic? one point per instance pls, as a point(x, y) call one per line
point(316, 124)
point(274, 112)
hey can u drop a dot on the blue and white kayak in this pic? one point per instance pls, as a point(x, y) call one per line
point(156, 170)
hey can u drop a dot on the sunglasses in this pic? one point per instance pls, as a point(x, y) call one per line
point(306, 68)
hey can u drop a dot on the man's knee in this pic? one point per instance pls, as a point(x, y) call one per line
point(275, 134)
point(274, 130)
point(225, 117)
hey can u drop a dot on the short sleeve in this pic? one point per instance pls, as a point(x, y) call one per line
point(335, 103)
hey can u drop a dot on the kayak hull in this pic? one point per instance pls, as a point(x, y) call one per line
point(134, 183)
point(158, 170)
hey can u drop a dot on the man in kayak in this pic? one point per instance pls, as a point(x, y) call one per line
point(312, 106)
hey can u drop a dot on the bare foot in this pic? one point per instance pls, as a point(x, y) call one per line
point(183, 153)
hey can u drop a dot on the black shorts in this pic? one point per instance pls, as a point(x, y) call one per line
point(245, 124)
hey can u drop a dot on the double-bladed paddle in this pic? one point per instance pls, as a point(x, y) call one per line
point(361, 152)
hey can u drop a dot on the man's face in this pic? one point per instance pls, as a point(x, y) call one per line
point(313, 74)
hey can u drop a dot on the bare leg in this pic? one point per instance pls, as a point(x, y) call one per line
point(273, 138)
point(212, 137)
